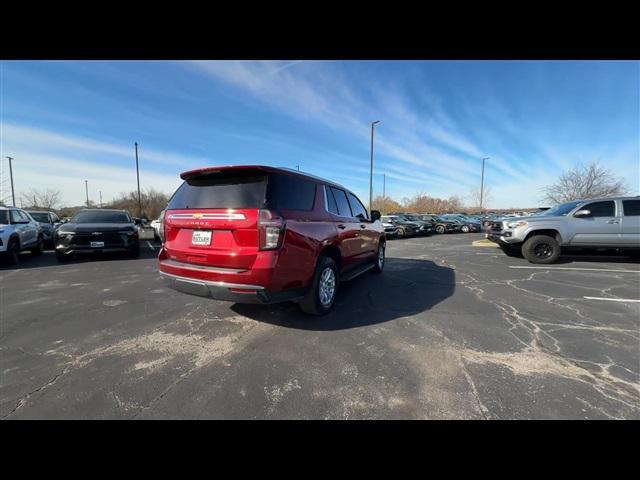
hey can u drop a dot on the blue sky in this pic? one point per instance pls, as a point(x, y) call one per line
point(65, 122)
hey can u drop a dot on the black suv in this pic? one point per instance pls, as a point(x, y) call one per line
point(440, 225)
point(97, 231)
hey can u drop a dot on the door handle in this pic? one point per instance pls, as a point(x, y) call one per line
point(342, 226)
point(612, 221)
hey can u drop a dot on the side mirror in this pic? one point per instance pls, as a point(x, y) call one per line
point(582, 213)
point(375, 215)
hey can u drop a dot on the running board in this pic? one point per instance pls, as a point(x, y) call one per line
point(356, 272)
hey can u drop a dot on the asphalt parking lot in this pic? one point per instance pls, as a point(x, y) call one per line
point(448, 331)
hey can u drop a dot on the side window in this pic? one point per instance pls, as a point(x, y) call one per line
point(291, 193)
point(341, 201)
point(601, 209)
point(331, 202)
point(16, 216)
point(631, 208)
point(357, 208)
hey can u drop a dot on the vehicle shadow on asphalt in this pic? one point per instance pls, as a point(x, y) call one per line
point(406, 287)
point(48, 259)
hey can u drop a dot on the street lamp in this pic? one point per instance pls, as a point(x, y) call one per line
point(371, 170)
point(13, 195)
point(482, 183)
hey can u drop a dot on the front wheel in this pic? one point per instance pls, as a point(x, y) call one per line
point(13, 251)
point(380, 258)
point(465, 229)
point(321, 296)
point(401, 232)
point(541, 249)
point(440, 229)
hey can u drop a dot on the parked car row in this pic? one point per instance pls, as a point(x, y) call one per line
point(409, 224)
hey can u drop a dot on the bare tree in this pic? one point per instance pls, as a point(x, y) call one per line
point(153, 202)
point(584, 182)
point(475, 197)
point(48, 199)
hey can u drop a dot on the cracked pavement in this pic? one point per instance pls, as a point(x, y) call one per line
point(448, 331)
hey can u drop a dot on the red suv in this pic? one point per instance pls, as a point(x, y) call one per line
point(257, 234)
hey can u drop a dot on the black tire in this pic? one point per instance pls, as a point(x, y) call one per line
point(401, 233)
point(541, 249)
point(13, 252)
point(37, 250)
point(465, 229)
point(311, 303)
point(380, 261)
point(135, 253)
point(440, 229)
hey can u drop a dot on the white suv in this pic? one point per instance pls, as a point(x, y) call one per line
point(18, 232)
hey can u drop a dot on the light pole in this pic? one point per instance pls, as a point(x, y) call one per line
point(138, 176)
point(482, 183)
point(13, 195)
point(100, 191)
point(371, 170)
point(384, 191)
point(86, 189)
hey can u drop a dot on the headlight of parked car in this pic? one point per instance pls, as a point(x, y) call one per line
point(519, 223)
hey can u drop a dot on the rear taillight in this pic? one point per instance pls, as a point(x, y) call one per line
point(270, 230)
point(161, 228)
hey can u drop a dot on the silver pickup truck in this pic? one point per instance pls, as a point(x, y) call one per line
point(595, 223)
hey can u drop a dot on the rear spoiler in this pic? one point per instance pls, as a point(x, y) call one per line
point(249, 169)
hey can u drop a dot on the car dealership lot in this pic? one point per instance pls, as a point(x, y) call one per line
point(447, 331)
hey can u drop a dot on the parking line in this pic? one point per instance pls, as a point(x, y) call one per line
point(581, 269)
point(614, 299)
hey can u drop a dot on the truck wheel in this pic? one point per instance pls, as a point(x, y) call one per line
point(380, 258)
point(541, 249)
point(440, 229)
point(322, 292)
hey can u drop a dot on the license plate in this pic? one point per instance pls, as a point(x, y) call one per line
point(97, 244)
point(201, 237)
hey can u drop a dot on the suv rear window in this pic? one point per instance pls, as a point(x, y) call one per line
point(221, 191)
point(291, 193)
point(631, 208)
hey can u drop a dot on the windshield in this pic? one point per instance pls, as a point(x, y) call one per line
point(101, 217)
point(40, 217)
point(561, 210)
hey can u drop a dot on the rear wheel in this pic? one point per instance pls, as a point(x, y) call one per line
point(401, 232)
point(321, 296)
point(541, 249)
point(37, 250)
point(380, 258)
point(13, 250)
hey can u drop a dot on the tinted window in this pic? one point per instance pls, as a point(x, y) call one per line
point(4, 217)
point(631, 208)
point(601, 209)
point(101, 217)
point(341, 201)
point(291, 193)
point(221, 191)
point(331, 202)
point(40, 217)
point(356, 207)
